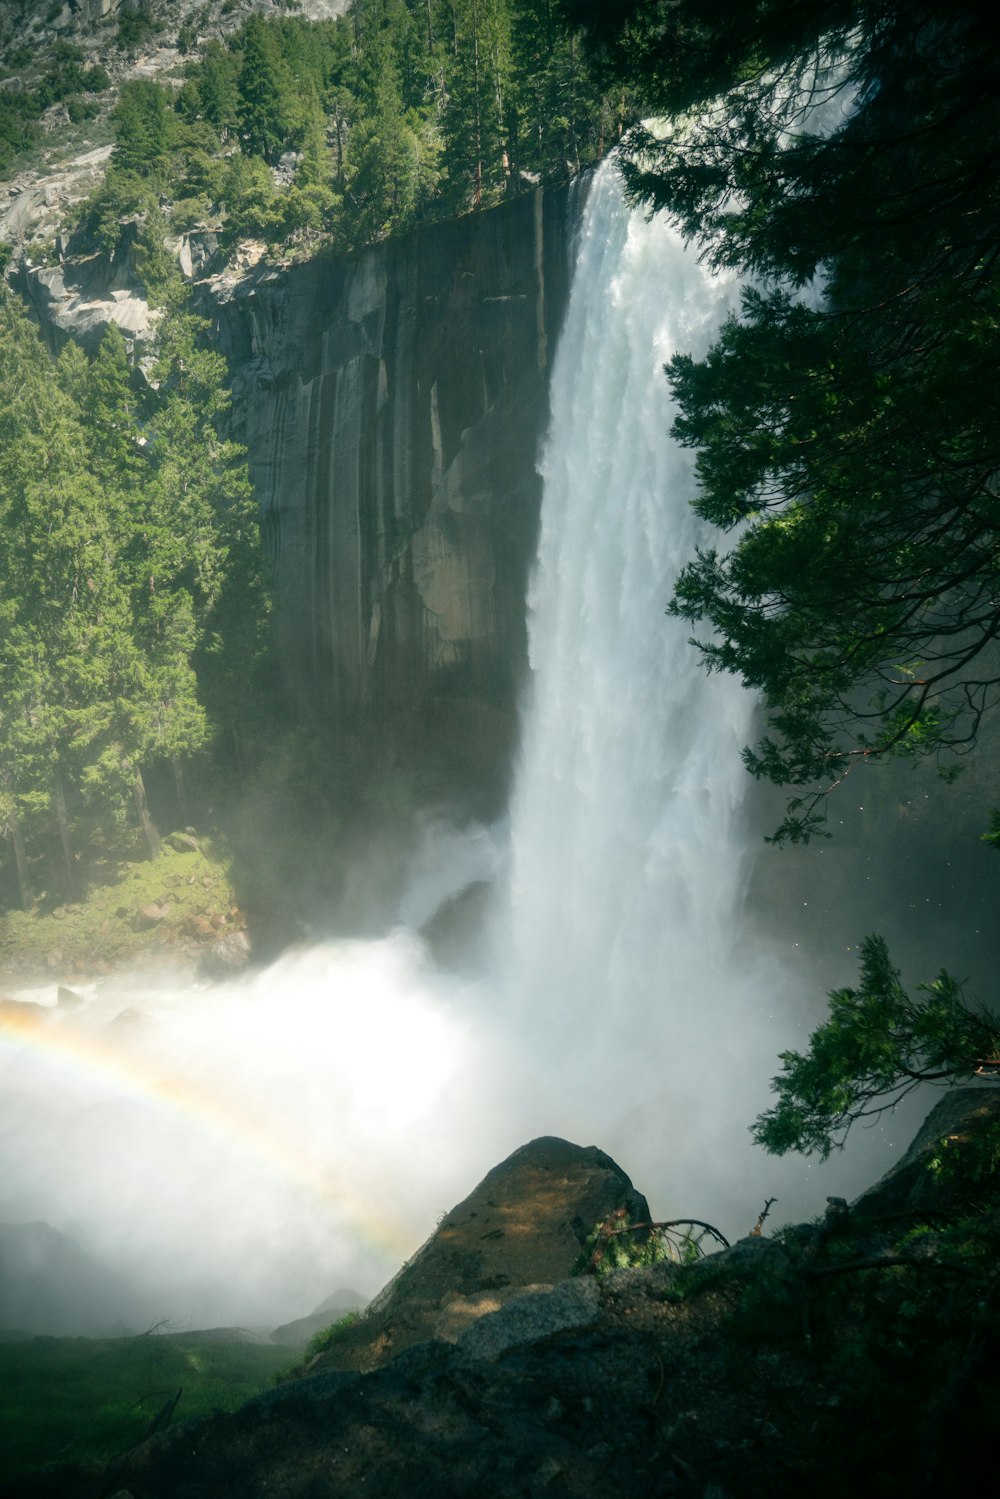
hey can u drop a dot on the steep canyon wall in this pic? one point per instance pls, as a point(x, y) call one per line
point(393, 405)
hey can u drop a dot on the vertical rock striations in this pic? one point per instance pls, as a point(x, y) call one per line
point(393, 405)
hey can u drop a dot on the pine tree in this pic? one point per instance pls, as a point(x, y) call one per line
point(475, 123)
point(144, 123)
point(107, 399)
point(311, 201)
point(267, 106)
point(218, 88)
point(66, 643)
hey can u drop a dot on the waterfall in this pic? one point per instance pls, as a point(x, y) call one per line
point(627, 857)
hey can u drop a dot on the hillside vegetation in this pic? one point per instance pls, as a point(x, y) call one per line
point(259, 122)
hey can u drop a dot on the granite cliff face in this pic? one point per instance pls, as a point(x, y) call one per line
point(394, 405)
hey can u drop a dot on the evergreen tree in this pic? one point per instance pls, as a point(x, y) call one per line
point(144, 129)
point(66, 644)
point(475, 125)
point(250, 199)
point(133, 594)
point(204, 539)
point(218, 94)
point(383, 175)
point(877, 1044)
point(555, 121)
point(311, 202)
point(106, 398)
point(267, 106)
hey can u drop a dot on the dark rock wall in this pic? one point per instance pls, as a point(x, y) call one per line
point(394, 405)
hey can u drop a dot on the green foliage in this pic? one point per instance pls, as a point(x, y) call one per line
point(251, 201)
point(975, 1158)
point(121, 197)
point(144, 130)
point(622, 1250)
point(877, 1044)
point(216, 88)
point(80, 109)
point(320, 1341)
point(19, 112)
point(475, 122)
point(267, 108)
point(398, 111)
point(137, 25)
point(193, 887)
point(318, 1344)
point(619, 1244)
point(843, 443)
point(133, 595)
point(89, 1399)
point(57, 74)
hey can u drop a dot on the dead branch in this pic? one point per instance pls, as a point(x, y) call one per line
point(768, 1205)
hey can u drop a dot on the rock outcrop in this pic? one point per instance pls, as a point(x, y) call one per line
point(394, 404)
point(780, 1366)
point(957, 1144)
point(524, 1226)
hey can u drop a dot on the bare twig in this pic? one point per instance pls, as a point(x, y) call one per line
point(768, 1205)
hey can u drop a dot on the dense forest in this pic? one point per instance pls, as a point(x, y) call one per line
point(350, 130)
point(133, 600)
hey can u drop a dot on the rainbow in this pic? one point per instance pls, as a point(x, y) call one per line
point(87, 1056)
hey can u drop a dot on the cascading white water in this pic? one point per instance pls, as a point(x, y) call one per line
point(627, 857)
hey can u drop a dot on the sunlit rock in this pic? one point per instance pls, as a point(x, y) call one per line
point(523, 1227)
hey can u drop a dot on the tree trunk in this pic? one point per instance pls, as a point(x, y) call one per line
point(181, 791)
point(13, 832)
point(62, 818)
point(340, 148)
point(142, 807)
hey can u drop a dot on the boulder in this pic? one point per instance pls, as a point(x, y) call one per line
point(183, 842)
point(780, 1366)
point(231, 954)
point(524, 1226)
point(954, 1150)
point(149, 916)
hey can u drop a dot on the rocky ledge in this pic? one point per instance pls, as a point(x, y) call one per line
point(854, 1355)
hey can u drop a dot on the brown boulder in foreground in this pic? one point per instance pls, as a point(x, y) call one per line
point(524, 1225)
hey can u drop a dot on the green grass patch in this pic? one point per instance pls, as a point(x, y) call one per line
point(320, 1342)
point(190, 889)
point(88, 1399)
